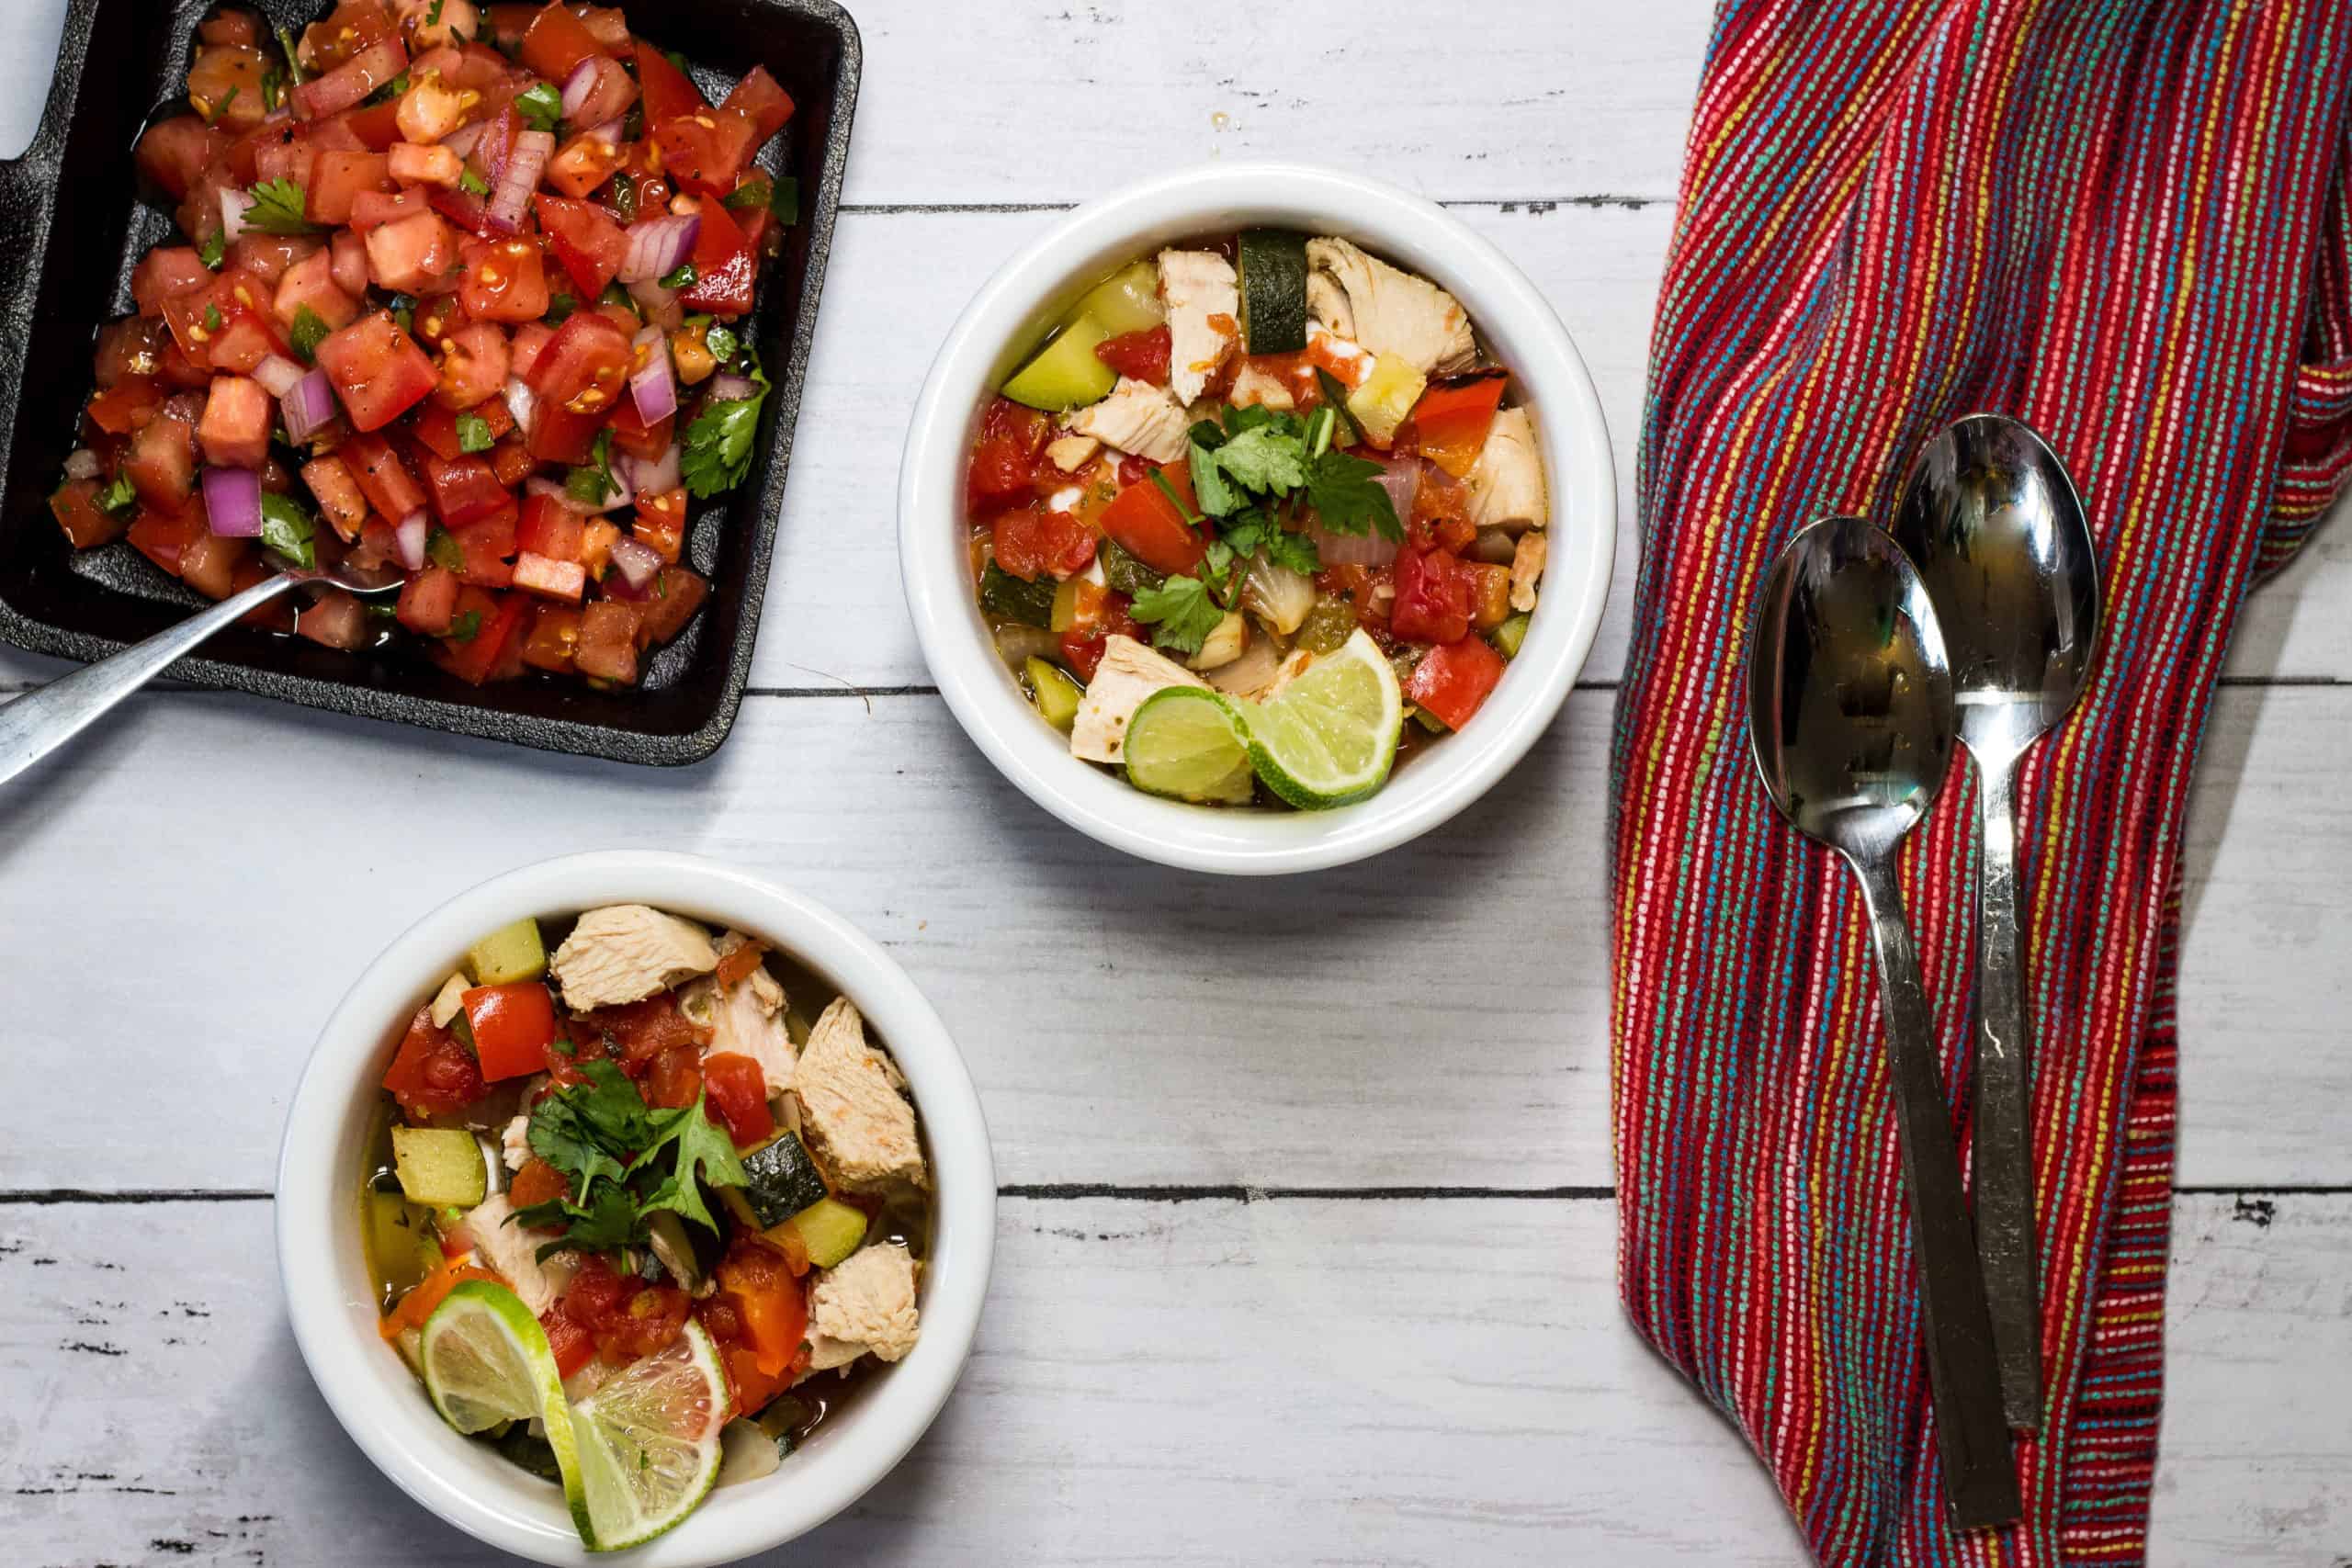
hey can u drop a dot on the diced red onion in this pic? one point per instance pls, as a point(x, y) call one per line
point(466, 138)
point(618, 586)
point(278, 375)
point(637, 563)
point(732, 388)
point(652, 476)
point(1352, 549)
point(656, 245)
point(610, 132)
point(520, 178)
point(412, 532)
point(232, 502)
point(578, 85)
point(539, 484)
point(654, 385)
point(235, 205)
point(307, 407)
point(521, 403)
point(1401, 477)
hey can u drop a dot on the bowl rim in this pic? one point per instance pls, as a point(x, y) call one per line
point(388, 1416)
point(1509, 309)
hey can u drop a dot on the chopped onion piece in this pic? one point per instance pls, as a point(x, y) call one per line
point(636, 561)
point(578, 85)
point(654, 385)
point(235, 205)
point(83, 464)
point(730, 388)
point(307, 407)
point(232, 502)
point(521, 403)
point(412, 531)
point(278, 375)
point(652, 476)
point(466, 138)
point(520, 178)
point(656, 245)
point(1351, 549)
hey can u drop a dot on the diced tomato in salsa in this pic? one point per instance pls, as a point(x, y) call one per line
point(377, 369)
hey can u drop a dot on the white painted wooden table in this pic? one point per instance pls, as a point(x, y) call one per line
point(1306, 1244)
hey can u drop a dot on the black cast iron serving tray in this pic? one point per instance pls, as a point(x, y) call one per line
point(71, 230)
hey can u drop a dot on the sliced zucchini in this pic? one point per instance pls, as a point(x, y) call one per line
point(1008, 598)
point(1126, 301)
point(440, 1168)
point(1274, 290)
point(507, 954)
point(1067, 373)
point(779, 1181)
point(397, 1243)
point(1507, 636)
point(1387, 398)
point(1056, 695)
point(827, 1231)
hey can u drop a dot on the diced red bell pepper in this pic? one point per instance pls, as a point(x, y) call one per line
point(1149, 526)
point(512, 1027)
point(1453, 679)
point(1452, 418)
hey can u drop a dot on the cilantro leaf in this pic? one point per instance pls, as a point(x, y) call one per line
point(465, 628)
point(473, 433)
point(718, 444)
point(706, 1154)
point(722, 343)
point(683, 275)
point(1348, 498)
point(606, 1224)
point(1181, 611)
point(117, 497)
point(591, 484)
point(287, 529)
point(280, 207)
point(441, 547)
point(589, 1130)
point(471, 182)
point(541, 107)
point(215, 247)
point(309, 331)
point(1258, 534)
point(1217, 498)
point(1265, 458)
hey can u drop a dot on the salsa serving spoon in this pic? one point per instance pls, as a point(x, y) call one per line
point(40, 722)
point(1992, 522)
point(1850, 717)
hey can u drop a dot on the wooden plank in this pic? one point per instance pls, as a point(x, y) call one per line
point(1437, 1017)
point(1400, 1383)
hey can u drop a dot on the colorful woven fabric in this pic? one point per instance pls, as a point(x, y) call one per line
point(2124, 221)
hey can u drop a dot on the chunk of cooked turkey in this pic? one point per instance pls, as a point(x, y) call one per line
point(625, 952)
point(1137, 417)
point(1204, 298)
point(746, 1018)
point(853, 1113)
point(1527, 569)
point(1388, 310)
point(1506, 483)
point(867, 1305)
point(1129, 672)
point(511, 1253)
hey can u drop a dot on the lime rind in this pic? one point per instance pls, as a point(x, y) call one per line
point(1189, 743)
point(1329, 737)
point(486, 1359)
point(649, 1444)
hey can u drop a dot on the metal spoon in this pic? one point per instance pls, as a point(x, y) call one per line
point(36, 724)
point(1849, 711)
point(2000, 540)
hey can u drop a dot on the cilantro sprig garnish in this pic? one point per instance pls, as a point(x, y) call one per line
point(625, 1161)
point(280, 207)
point(718, 444)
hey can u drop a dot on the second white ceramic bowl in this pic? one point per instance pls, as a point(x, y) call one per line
point(1007, 318)
point(331, 1301)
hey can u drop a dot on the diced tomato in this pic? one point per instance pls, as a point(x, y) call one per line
point(174, 152)
point(429, 601)
point(352, 81)
point(607, 648)
point(414, 256)
point(234, 430)
point(1082, 647)
point(474, 660)
point(1149, 526)
point(226, 83)
point(559, 580)
point(759, 1320)
point(163, 459)
point(311, 284)
point(1006, 456)
point(463, 490)
point(338, 493)
point(572, 1344)
point(512, 1027)
point(675, 1080)
point(726, 267)
point(378, 370)
point(127, 349)
point(474, 367)
point(627, 1317)
point(511, 459)
point(661, 522)
point(739, 1096)
point(1434, 595)
point(668, 90)
point(348, 263)
point(338, 620)
point(583, 163)
point(167, 273)
point(371, 209)
point(549, 528)
point(432, 1074)
point(1031, 541)
point(707, 150)
point(337, 178)
point(588, 243)
point(75, 506)
point(486, 546)
point(556, 44)
point(127, 405)
point(554, 638)
point(350, 28)
point(760, 100)
point(633, 435)
point(465, 209)
point(267, 257)
point(1143, 355)
point(677, 594)
point(377, 469)
point(208, 563)
point(537, 1182)
point(584, 368)
point(163, 537)
point(376, 127)
point(1453, 679)
point(505, 280)
point(230, 28)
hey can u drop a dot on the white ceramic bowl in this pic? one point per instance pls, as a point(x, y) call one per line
point(1006, 318)
point(333, 1306)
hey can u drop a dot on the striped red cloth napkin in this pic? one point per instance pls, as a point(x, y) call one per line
point(2124, 221)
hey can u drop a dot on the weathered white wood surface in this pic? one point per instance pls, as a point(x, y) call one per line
point(1343, 1382)
point(1394, 1378)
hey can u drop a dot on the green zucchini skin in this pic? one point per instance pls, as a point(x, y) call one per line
point(1274, 290)
point(780, 1181)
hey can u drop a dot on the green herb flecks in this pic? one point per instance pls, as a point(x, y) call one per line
point(473, 433)
point(309, 331)
point(1181, 613)
point(280, 207)
point(718, 444)
point(625, 1161)
point(286, 531)
point(541, 107)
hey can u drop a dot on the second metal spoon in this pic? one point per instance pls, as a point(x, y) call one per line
point(1992, 522)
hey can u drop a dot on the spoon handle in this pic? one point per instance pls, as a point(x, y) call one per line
point(1979, 1478)
point(39, 723)
point(2004, 1152)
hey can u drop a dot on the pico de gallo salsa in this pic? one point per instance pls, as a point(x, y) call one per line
point(458, 290)
point(1229, 457)
point(635, 1123)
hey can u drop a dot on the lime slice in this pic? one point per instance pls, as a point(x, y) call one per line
point(486, 1359)
point(1330, 737)
point(1191, 743)
point(649, 1443)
